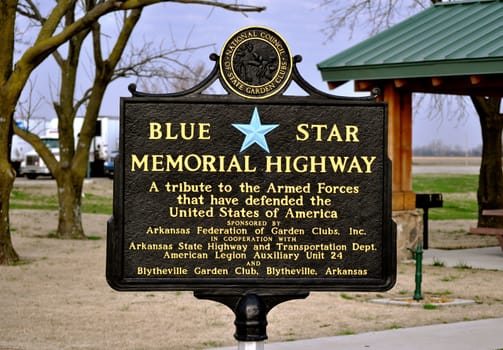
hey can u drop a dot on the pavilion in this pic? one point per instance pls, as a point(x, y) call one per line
point(450, 48)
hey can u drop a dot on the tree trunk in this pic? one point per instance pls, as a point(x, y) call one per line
point(490, 191)
point(9, 93)
point(70, 205)
point(8, 255)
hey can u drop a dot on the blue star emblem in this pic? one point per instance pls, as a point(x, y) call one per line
point(255, 132)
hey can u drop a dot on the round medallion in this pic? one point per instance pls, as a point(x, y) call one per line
point(255, 62)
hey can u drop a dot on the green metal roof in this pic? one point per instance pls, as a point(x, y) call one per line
point(447, 39)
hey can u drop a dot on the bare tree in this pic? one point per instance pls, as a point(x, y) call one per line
point(174, 81)
point(490, 191)
point(62, 25)
point(72, 166)
point(369, 16)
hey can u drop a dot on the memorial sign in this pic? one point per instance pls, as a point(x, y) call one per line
point(252, 190)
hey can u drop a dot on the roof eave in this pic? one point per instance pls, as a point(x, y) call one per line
point(422, 69)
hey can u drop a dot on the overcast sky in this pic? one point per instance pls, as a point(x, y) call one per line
point(300, 23)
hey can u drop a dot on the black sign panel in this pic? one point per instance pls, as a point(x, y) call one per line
point(233, 194)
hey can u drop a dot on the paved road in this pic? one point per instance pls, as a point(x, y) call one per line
point(445, 169)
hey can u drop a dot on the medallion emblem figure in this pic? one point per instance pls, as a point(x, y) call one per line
point(256, 63)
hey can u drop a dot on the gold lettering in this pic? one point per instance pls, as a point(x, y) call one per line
point(153, 187)
point(136, 163)
point(304, 134)
point(155, 131)
point(210, 271)
point(319, 164)
point(324, 132)
point(191, 163)
point(187, 131)
point(351, 131)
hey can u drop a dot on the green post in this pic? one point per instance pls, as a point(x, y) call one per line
point(418, 255)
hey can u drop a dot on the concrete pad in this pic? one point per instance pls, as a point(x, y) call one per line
point(478, 258)
point(421, 303)
point(471, 335)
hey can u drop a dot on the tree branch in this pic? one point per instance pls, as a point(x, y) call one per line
point(236, 7)
point(30, 10)
point(46, 42)
point(372, 16)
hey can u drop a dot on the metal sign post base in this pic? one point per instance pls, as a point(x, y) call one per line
point(251, 311)
point(251, 345)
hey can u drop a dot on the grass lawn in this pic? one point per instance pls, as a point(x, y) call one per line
point(459, 194)
point(31, 197)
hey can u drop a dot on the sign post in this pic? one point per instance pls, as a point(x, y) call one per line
point(253, 197)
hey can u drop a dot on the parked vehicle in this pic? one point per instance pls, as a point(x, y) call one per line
point(33, 165)
point(105, 141)
point(20, 147)
point(110, 164)
point(106, 138)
